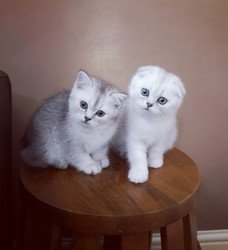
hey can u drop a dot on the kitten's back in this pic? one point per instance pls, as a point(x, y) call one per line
point(49, 116)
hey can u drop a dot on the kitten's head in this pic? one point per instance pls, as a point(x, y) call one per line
point(156, 92)
point(93, 102)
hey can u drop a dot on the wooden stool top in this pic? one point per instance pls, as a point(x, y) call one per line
point(108, 203)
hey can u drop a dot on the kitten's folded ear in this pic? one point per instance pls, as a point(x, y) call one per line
point(118, 98)
point(181, 91)
point(83, 80)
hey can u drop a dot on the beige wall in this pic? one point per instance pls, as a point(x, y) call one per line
point(44, 43)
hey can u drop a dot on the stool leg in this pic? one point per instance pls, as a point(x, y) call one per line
point(150, 239)
point(37, 234)
point(172, 237)
point(190, 231)
point(56, 243)
point(85, 241)
point(140, 241)
point(112, 242)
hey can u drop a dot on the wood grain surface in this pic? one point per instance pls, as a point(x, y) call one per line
point(108, 203)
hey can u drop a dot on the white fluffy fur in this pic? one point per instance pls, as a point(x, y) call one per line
point(145, 134)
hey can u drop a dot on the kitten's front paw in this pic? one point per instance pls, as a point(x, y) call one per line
point(156, 163)
point(94, 169)
point(105, 162)
point(138, 175)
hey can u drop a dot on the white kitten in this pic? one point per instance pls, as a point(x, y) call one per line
point(75, 127)
point(148, 125)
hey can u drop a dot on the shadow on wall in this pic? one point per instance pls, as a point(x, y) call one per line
point(23, 107)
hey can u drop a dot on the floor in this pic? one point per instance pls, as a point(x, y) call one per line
point(219, 246)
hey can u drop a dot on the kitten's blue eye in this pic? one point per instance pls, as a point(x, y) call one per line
point(100, 113)
point(145, 92)
point(162, 100)
point(83, 105)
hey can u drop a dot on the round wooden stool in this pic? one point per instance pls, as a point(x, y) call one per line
point(108, 212)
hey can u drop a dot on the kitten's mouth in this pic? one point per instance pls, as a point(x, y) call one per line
point(85, 122)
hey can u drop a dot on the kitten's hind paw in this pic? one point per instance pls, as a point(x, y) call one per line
point(60, 165)
point(156, 163)
point(138, 175)
point(105, 162)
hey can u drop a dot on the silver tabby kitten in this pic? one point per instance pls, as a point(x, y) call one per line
point(75, 127)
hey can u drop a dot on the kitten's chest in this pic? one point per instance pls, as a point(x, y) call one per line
point(92, 141)
point(150, 132)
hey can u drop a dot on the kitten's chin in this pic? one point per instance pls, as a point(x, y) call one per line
point(150, 113)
